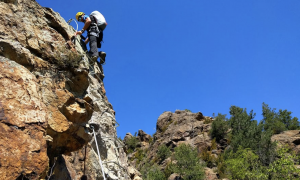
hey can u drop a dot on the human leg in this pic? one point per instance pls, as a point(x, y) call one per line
point(93, 46)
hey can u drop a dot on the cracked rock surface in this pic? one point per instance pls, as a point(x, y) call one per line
point(49, 94)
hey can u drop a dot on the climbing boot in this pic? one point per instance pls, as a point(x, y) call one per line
point(94, 59)
point(102, 57)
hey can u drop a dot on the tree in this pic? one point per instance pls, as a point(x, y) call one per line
point(278, 121)
point(244, 130)
point(248, 134)
point(266, 149)
point(219, 127)
point(187, 164)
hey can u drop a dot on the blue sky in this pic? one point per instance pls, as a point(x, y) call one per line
point(199, 55)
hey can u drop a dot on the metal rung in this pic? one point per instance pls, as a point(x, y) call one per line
point(115, 138)
point(111, 137)
point(106, 162)
point(117, 124)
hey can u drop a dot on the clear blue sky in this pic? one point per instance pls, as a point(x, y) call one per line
point(200, 55)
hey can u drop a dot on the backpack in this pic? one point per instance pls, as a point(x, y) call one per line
point(99, 18)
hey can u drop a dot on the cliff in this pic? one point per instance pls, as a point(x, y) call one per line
point(50, 95)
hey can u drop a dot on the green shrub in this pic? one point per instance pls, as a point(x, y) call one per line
point(207, 120)
point(145, 169)
point(131, 143)
point(151, 141)
point(154, 173)
point(278, 121)
point(244, 164)
point(168, 169)
point(219, 127)
point(283, 167)
point(221, 168)
point(213, 144)
point(207, 156)
point(139, 155)
point(163, 152)
point(187, 164)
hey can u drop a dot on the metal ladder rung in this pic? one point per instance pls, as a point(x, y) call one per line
point(106, 162)
point(115, 138)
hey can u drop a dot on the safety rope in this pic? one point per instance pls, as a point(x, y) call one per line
point(70, 20)
point(95, 136)
point(100, 162)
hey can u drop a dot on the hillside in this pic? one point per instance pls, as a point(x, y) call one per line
point(189, 145)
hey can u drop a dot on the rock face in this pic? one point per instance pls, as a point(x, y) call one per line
point(290, 138)
point(173, 129)
point(23, 123)
point(182, 127)
point(50, 96)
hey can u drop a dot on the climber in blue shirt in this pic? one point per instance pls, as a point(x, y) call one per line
point(94, 24)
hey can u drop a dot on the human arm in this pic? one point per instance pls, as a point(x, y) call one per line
point(87, 24)
point(86, 40)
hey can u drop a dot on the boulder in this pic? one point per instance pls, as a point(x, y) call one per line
point(143, 137)
point(290, 138)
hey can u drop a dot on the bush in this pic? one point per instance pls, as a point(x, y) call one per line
point(219, 127)
point(207, 156)
point(154, 173)
point(163, 152)
point(278, 121)
point(207, 120)
point(187, 164)
point(244, 164)
point(283, 167)
point(131, 143)
point(139, 155)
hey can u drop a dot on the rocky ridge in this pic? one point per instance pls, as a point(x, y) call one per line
point(50, 95)
point(185, 127)
point(173, 129)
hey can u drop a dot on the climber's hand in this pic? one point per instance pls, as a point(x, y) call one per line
point(78, 33)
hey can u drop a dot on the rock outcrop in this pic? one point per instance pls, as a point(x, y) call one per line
point(173, 129)
point(50, 96)
point(288, 138)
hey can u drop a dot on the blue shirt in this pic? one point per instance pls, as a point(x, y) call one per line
point(84, 17)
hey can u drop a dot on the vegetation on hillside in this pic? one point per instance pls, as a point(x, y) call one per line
point(252, 154)
point(249, 153)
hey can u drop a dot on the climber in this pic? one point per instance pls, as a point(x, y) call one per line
point(94, 24)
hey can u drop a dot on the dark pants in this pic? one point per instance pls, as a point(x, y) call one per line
point(95, 43)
